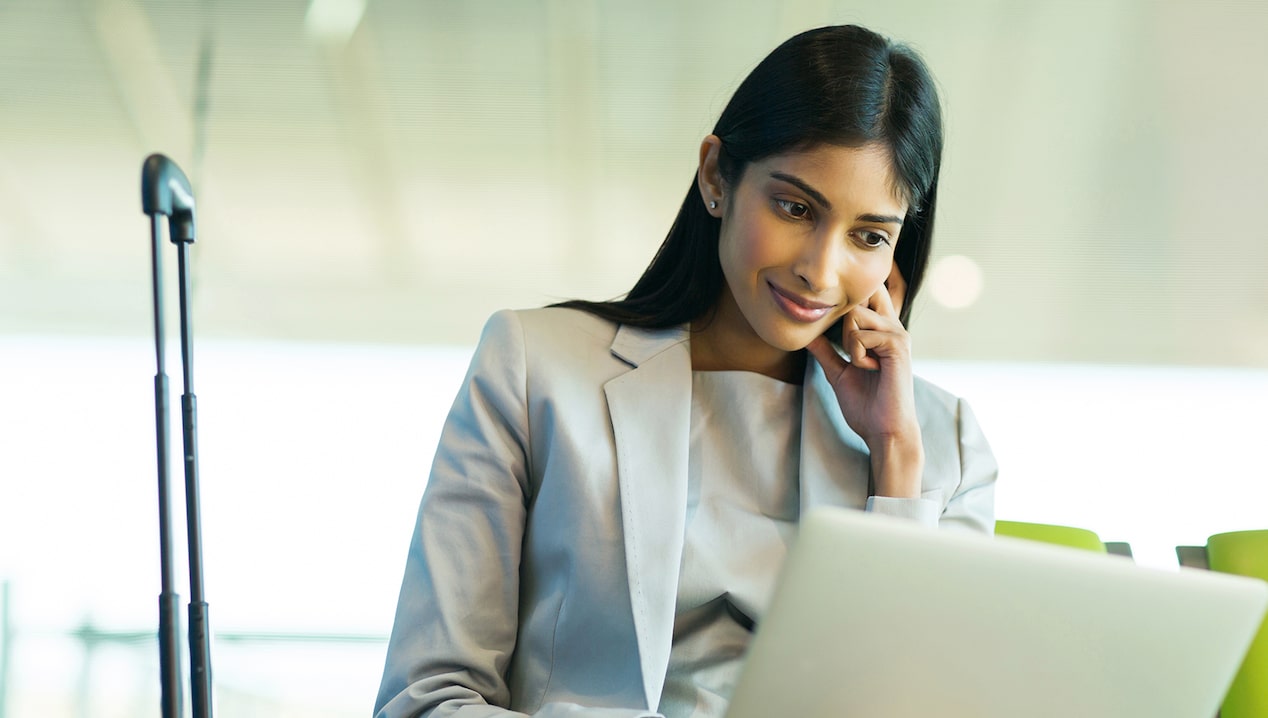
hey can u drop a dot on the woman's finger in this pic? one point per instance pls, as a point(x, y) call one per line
point(833, 363)
point(882, 344)
point(851, 344)
point(882, 303)
point(897, 289)
point(858, 352)
point(868, 318)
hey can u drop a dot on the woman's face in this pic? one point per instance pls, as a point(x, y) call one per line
point(806, 237)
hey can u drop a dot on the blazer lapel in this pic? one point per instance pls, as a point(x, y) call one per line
point(833, 457)
point(650, 407)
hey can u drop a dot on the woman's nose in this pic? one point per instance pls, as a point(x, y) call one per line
point(820, 262)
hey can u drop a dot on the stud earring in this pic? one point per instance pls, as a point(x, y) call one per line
point(713, 204)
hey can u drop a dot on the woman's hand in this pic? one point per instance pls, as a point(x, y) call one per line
point(875, 390)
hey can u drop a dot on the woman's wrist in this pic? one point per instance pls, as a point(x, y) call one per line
point(898, 467)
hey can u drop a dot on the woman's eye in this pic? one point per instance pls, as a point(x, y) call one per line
point(873, 239)
point(793, 209)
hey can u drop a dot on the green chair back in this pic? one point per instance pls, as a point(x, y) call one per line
point(1051, 533)
point(1245, 553)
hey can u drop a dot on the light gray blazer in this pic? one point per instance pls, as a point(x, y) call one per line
point(543, 570)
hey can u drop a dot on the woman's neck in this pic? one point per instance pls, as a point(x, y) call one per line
point(724, 341)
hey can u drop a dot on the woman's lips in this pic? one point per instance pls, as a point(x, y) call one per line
point(798, 308)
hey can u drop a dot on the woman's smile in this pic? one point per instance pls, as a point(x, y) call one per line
point(796, 307)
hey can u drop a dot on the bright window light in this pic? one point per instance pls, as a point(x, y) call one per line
point(333, 20)
point(955, 282)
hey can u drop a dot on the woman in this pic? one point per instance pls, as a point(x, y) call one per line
point(617, 483)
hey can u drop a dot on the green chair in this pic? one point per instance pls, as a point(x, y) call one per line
point(1051, 533)
point(1244, 553)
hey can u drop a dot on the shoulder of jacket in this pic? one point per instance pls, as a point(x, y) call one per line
point(550, 331)
point(555, 324)
point(933, 401)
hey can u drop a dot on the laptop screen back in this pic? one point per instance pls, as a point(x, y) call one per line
point(879, 618)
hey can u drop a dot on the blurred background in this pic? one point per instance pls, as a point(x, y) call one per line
point(375, 177)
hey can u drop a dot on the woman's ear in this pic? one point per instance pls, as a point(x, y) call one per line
point(708, 177)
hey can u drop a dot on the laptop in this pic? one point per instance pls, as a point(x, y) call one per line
point(875, 617)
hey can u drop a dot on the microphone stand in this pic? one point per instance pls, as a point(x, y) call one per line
point(165, 191)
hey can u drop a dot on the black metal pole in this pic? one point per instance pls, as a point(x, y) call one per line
point(169, 600)
point(199, 645)
point(165, 191)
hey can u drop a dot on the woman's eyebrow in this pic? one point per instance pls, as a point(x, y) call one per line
point(804, 186)
point(881, 219)
point(817, 196)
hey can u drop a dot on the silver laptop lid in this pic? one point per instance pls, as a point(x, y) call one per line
point(879, 618)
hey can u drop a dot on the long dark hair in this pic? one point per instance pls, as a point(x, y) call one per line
point(842, 85)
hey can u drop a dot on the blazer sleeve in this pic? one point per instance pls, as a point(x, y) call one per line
point(457, 615)
point(972, 505)
point(959, 462)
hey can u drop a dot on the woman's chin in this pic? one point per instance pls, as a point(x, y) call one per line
point(796, 339)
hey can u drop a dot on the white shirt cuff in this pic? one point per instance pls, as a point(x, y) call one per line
point(923, 511)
